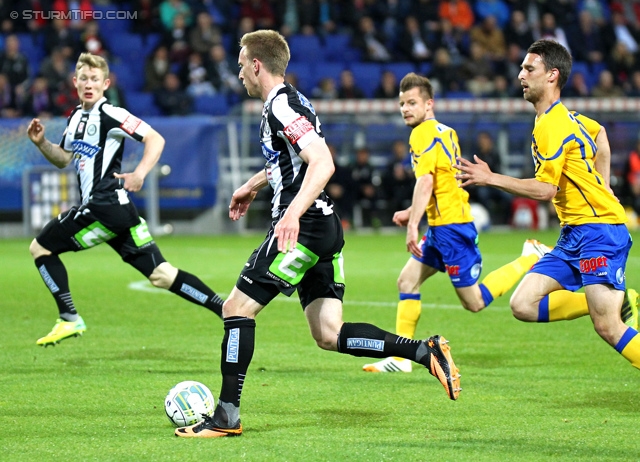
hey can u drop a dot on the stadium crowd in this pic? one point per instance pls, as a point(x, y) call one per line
point(468, 48)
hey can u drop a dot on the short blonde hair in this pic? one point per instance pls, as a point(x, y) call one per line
point(93, 61)
point(269, 47)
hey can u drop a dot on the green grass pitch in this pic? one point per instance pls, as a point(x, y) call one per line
point(530, 392)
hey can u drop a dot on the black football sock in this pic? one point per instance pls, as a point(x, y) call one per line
point(194, 290)
point(361, 339)
point(237, 350)
point(54, 275)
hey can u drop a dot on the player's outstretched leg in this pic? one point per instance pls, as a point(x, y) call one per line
point(629, 312)
point(440, 364)
point(62, 330)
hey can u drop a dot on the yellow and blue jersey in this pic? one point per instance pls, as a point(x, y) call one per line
point(564, 151)
point(434, 150)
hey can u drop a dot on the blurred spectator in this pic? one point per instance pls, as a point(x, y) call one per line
point(367, 181)
point(260, 11)
point(631, 181)
point(7, 101)
point(114, 93)
point(510, 69)
point(171, 99)
point(370, 41)
point(328, 16)
point(245, 25)
point(297, 16)
point(458, 13)
point(292, 79)
point(427, 14)
point(66, 97)
point(156, 67)
point(37, 100)
point(622, 63)
point(326, 89)
point(621, 30)
point(497, 202)
point(348, 89)
point(398, 179)
point(576, 87)
point(518, 31)
point(13, 63)
point(223, 72)
point(92, 41)
point(551, 31)
point(76, 21)
point(341, 188)
point(169, 9)
point(204, 34)
point(55, 68)
point(501, 88)
point(496, 8)
point(490, 38)
point(388, 87)
point(606, 87)
point(176, 40)
point(598, 10)
point(444, 74)
point(586, 42)
point(147, 17)
point(477, 72)
point(58, 35)
point(413, 42)
point(456, 44)
point(633, 86)
point(195, 78)
point(36, 9)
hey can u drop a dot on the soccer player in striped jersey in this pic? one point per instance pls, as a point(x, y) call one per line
point(94, 142)
point(302, 250)
point(451, 242)
point(594, 242)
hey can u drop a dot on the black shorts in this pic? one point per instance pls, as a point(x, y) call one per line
point(314, 268)
point(84, 227)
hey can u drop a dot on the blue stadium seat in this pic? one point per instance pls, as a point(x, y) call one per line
point(211, 105)
point(305, 48)
point(367, 76)
point(425, 69)
point(400, 69)
point(129, 78)
point(141, 104)
point(302, 70)
point(111, 20)
point(127, 46)
point(320, 70)
point(337, 48)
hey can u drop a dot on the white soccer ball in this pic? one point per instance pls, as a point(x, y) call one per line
point(187, 401)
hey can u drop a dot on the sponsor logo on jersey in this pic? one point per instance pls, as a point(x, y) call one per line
point(91, 130)
point(306, 103)
point(233, 345)
point(130, 124)
point(365, 344)
point(193, 293)
point(269, 154)
point(82, 148)
point(322, 205)
point(297, 129)
point(591, 265)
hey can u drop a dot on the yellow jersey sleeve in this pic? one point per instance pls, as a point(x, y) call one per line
point(564, 149)
point(434, 150)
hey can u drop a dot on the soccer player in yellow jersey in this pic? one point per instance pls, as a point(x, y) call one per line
point(594, 243)
point(451, 242)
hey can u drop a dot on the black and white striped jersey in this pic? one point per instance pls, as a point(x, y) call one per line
point(96, 138)
point(289, 124)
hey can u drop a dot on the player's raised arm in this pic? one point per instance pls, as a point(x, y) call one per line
point(53, 153)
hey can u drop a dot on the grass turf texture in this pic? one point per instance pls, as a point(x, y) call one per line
point(530, 392)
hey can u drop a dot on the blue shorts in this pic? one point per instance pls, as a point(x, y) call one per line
point(454, 249)
point(588, 254)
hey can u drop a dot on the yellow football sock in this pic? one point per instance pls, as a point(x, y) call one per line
point(566, 305)
point(504, 278)
point(407, 316)
point(629, 347)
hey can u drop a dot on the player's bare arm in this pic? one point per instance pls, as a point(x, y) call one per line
point(244, 195)
point(153, 146)
point(319, 171)
point(479, 174)
point(421, 196)
point(401, 217)
point(603, 158)
point(52, 152)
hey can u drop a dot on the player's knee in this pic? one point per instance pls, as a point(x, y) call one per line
point(521, 309)
point(606, 330)
point(163, 275)
point(328, 343)
point(37, 250)
point(473, 307)
point(406, 286)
